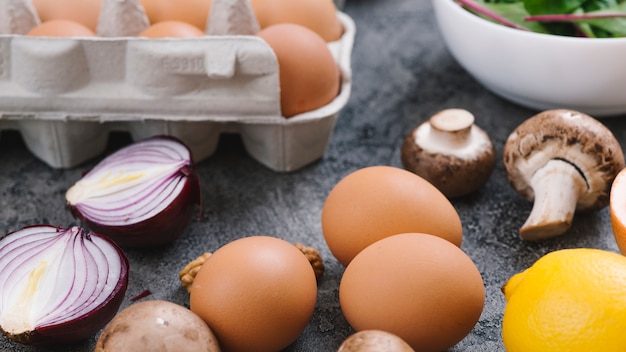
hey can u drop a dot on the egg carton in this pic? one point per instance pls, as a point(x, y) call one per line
point(65, 95)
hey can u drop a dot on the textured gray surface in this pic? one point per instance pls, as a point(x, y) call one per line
point(402, 74)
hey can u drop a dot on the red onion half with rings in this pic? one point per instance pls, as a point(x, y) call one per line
point(59, 286)
point(141, 195)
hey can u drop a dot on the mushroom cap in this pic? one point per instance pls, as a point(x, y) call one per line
point(570, 136)
point(457, 157)
point(374, 341)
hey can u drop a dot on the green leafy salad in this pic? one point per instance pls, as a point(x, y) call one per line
point(576, 18)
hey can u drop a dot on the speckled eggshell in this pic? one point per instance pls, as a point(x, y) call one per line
point(419, 287)
point(256, 293)
point(380, 201)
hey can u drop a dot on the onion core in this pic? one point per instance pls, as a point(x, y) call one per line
point(59, 285)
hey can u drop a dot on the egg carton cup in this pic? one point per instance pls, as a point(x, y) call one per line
point(65, 95)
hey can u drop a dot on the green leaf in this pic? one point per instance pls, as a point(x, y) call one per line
point(616, 26)
point(543, 7)
point(514, 12)
point(606, 23)
point(594, 18)
point(595, 5)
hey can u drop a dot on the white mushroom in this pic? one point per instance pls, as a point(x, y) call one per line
point(564, 161)
point(451, 152)
point(374, 341)
point(157, 325)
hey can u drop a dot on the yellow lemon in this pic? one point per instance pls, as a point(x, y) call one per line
point(569, 300)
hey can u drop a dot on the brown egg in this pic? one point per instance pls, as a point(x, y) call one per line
point(60, 28)
point(85, 12)
point(171, 29)
point(379, 201)
point(419, 287)
point(309, 76)
point(256, 294)
point(194, 12)
point(319, 16)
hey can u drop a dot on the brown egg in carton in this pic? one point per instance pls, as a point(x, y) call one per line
point(65, 95)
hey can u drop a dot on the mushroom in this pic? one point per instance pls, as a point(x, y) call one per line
point(563, 161)
point(157, 325)
point(374, 341)
point(450, 152)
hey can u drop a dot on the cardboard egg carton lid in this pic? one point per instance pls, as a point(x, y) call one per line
point(65, 95)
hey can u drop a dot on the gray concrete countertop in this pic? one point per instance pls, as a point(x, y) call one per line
point(402, 74)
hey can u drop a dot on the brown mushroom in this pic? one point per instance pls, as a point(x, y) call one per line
point(374, 341)
point(563, 161)
point(157, 325)
point(451, 152)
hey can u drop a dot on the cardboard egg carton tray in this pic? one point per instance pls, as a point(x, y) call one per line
point(65, 95)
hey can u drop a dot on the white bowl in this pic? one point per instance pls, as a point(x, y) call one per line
point(539, 71)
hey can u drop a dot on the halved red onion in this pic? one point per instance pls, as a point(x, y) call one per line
point(141, 195)
point(59, 286)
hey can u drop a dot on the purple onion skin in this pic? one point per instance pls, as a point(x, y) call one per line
point(85, 326)
point(161, 229)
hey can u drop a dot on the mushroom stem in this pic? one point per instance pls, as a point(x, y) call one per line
point(450, 152)
point(557, 187)
point(451, 128)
